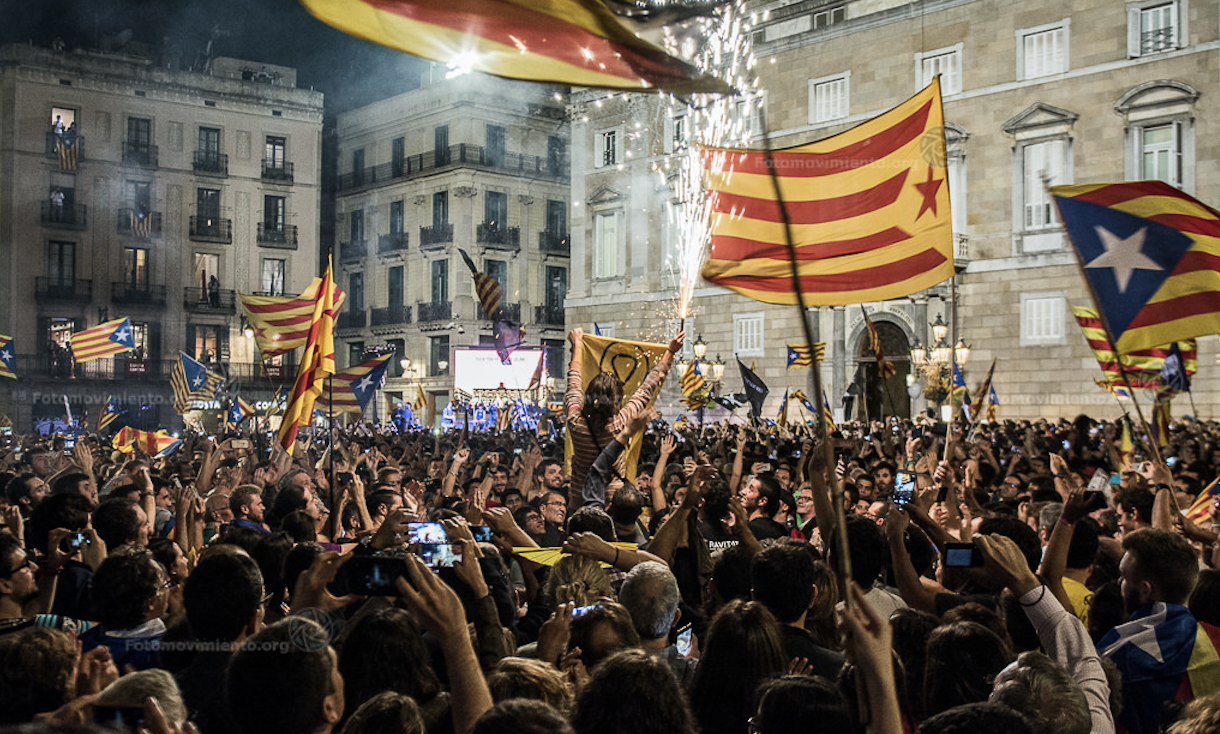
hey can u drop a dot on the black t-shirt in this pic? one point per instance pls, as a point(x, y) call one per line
point(717, 538)
point(765, 527)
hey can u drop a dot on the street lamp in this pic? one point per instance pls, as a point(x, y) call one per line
point(717, 371)
point(700, 347)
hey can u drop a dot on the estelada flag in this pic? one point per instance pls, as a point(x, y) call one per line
point(869, 210)
point(574, 42)
point(1149, 254)
point(103, 340)
point(109, 412)
point(8, 358)
point(800, 355)
point(353, 387)
point(282, 323)
point(1142, 367)
point(156, 445)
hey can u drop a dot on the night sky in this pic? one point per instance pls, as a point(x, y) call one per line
point(351, 72)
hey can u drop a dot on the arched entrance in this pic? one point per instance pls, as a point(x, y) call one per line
point(883, 397)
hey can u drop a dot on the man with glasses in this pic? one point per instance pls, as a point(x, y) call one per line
point(554, 508)
point(26, 591)
point(806, 522)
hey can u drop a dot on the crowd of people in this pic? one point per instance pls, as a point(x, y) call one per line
point(1027, 576)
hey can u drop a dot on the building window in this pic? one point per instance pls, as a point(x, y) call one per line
point(828, 98)
point(609, 148)
point(440, 145)
point(1042, 51)
point(677, 132)
point(604, 329)
point(556, 288)
point(358, 167)
point(273, 276)
point(829, 16)
point(1042, 166)
point(440, 281)
point(207, 206)
point(398, 157)
point(394, 287)
point(273, 213)
point(61, 264)
point(751, 110)
point(274, 153)
point(356, 225)
point(135, 268)
point(1161, 153)
point(438, 355)
point(355, 353)
point(495, 210)
point(557, 219)
point(397, 222)
point(1160, 119)
point(609, 255)
point(672, 225)
point(748, 334)
point(355, 292)
point(955, 164)
point(1155, 26)
point(944, 61)
point(495, 146)
point(497, 270)
point(1042, 319)
point(556, 154)
point(440, 209)
point(207, 343)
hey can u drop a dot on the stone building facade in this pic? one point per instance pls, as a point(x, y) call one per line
point(176, 177)
point(1034, 93)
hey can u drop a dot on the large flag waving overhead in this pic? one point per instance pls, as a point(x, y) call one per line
point(103, 340)
point(353, 387)
point(282, 323)
point(1149, 254)
point(487, 288)
point(576, 42)
point(317, 362)
point(869, 211)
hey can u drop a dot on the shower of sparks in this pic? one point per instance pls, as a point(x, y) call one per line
point(721, 45)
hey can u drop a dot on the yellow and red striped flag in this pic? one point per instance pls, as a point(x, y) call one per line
point(980, 397)
point(574, 42)
point(869, 210)
point(828, 415)
point(1143, 367)
point(421, 400)
point(692, 380)
point(487, 289)
point(1149, 254)
point(282, 323)
point(884, 366)
point(103, 340)
point(156, 445)
point(317, 362)
point(1204, 506)
point(67, 150)
point(8, 358)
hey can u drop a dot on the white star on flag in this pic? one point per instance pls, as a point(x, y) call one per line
point(364, 384)
point(197, 382)
point(122, 335)
point(6, 355)
point(1123, 256)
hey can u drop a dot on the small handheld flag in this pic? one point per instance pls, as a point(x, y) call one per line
point(800, 355)
point(8, 358)
point(108, 413)
point(103, 340)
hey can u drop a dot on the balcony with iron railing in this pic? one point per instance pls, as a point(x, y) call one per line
point(554, 243)
point(353, 251)
point(63, 289)
point(209, 163)
point(392, 242)
point(52, 150)
point(136, 224)
point(212, 229)
point(277, 171)
point(548, 315)
point(201, 300)
point(349, 319)
point(435, 237)
point(1158, 40)
point(434, 311)
point(390, 316)
point(460, 155)
point(509, 311)
point(64, 216)
point(281, 236)
point(135, 294)
point(498, 236)
point(140, 154)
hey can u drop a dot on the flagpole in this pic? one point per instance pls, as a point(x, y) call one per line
point(953, 404)
point(832, 480)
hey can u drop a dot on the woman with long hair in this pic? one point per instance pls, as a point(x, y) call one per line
point(595, 413)
point(741, 651)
